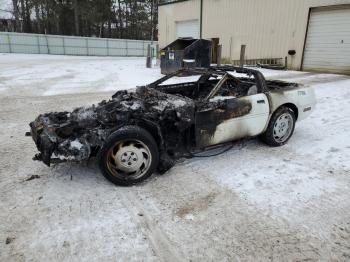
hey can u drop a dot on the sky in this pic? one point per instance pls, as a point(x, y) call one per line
point(5, 5)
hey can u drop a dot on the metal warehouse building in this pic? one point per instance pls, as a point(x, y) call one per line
point(317, 30)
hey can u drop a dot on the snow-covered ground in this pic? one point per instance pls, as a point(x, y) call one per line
point(253, 203)
point(52, 75)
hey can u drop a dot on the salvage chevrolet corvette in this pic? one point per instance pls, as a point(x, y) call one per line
point(138, 132)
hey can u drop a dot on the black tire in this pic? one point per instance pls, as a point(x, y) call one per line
point(121, 136)
point(268, 137)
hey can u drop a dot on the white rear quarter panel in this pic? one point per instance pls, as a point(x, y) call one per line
point(303, 97)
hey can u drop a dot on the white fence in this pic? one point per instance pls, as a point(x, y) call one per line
point(71, 45)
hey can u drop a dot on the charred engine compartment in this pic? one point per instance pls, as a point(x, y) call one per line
point(79, 134)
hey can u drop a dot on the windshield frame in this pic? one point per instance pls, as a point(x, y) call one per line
point(206, 73)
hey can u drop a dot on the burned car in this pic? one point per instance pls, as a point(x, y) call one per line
point(148, 129)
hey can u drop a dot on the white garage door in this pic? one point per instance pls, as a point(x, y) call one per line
point(328, 41)
point(189, 28)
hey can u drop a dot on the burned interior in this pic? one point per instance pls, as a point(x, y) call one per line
point(181, 116)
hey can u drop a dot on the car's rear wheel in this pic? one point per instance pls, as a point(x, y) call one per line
point(129, 156)
point(280, 128)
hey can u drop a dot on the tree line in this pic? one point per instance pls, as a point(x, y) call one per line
point(129, 19)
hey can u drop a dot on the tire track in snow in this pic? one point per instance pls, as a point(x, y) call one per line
point(160, 243)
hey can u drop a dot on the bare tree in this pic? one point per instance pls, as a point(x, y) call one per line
point(16, 15)
point(76, 17)
point(133, 19)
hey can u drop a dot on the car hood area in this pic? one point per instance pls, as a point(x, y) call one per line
point(78, 134)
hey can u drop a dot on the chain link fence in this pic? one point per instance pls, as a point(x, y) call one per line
point(72, 45)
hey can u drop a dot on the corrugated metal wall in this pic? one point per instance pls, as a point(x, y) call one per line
point(170, 13)
point(71, 45)
point(269, 28)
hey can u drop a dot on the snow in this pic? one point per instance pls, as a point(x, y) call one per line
point(178, 103)
point(53, 75)
point(220, 98)
point(189, 217)
point(76, 144)
point(182, 79)
point(254, 202)
point(134, 106)
point(175, 103)
point(161, 105)
point(85, 113)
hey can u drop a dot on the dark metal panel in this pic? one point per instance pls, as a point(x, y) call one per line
point(172, 56)
point(207, 120)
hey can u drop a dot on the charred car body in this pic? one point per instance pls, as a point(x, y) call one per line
point(138, 132)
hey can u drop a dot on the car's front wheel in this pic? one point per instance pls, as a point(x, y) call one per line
point(129, 156)
point(280, 128)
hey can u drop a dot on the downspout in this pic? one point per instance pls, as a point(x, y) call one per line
point(201, 20)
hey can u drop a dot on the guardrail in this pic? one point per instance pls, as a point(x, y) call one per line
point(71, 45)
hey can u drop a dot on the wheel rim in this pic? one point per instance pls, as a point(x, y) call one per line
point(283, 128)
point(129, 159)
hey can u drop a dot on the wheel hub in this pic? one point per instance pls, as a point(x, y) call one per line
point(283, 127)
point(129, 159)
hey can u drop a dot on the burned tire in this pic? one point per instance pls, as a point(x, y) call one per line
point(129, 156)
point(280, 128)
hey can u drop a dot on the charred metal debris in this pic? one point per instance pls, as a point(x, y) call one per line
point(169, 112)
point(79, 134)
